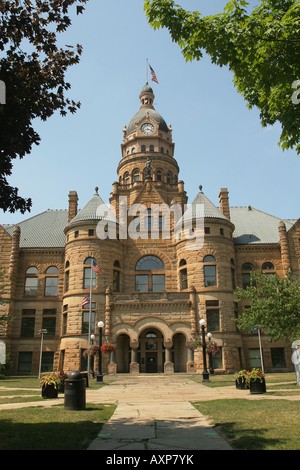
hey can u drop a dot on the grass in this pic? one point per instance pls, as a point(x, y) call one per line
point(256, 425)
point(226, 380)
point(41, 428)
point(52, 428)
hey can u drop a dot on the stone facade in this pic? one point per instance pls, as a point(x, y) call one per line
point(155, 284)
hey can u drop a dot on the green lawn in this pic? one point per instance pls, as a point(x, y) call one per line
point(52, 428)
point(256, 425)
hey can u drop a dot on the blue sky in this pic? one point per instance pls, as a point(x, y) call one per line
point(218, 141)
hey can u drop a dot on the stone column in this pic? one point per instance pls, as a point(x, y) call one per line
point(168, 365)
point(134, 366)
point(193, 311)
point(285, 254)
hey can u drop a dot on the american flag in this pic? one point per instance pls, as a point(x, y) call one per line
point(154, 77)
point(96, 268)
point(85, 301)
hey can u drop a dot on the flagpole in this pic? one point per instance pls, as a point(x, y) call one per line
point(90, 316)
point(147, 67)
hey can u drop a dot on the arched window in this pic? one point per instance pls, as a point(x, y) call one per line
point(247, 268)
point(159, 175)
point(143, 148)
point(169, 178)
point(88, 274)
point(151, 148)
point(268, 269)
point(136, 175)
point(51, 281)
point(126, 178)
point(150, 277)
point(183, 275)
point(116, 276)
point(210, 271)
point(31, 281)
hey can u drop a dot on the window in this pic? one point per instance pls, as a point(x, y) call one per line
point(27, 323)
point(24, 362)
point(143, 148)
point(126, 178)
point(151, 148)
point(268, 269)
point(49, 321)
point(247, 268)
point(88, 272)
point(210, 271)
point(76, 234)
point(233, 274)
point(85, 318)
point(149, 278)
point(278, 358)
point(207, 230)
point(51, 282)
point(159, 175)
point(91, 232)
point(136, 175)
point(47, 361)
point(67, 276)
point(212, 315)
point(169, 178)
point(116, 276)
point(31, 281)
point(148, 220)
point(183, 275)
point(222, 232)
point(254, 358)
point(217, 359)
point(65, 320)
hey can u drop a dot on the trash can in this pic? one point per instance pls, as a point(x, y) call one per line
point(75, 391)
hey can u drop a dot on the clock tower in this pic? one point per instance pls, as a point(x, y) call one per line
point(148, 157)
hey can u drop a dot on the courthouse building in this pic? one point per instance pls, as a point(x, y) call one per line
point(162, 270)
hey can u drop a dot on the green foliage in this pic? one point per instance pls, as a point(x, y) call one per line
point(261, 48)
point(274, 306)
point(33, 68)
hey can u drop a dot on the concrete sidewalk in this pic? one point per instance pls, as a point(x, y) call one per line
point(154, 413)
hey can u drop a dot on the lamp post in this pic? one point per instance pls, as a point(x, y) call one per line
point(210, 361)
point(99, 374)
point(42, 333)
point(92, 358)
point(205, 374)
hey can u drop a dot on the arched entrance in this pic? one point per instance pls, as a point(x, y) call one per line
point(123, 354)
point(179, 352)
point(151, 348)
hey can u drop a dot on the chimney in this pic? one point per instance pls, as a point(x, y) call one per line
point(73, 201)
point(224, 202)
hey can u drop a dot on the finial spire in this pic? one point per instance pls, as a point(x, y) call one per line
point(96, 190)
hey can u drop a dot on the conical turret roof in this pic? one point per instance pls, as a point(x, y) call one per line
point(95, 209)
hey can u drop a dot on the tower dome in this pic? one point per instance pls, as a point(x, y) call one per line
point(147, 109)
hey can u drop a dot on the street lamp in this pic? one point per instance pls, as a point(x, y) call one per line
point(210, 361)
point(92, 358)
point(42, 333)
point(205, 371)
point(99, 374)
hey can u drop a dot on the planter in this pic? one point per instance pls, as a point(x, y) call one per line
point(257, 386)
point(241, 384)
point(49, 391)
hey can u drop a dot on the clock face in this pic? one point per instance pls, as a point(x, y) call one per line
point(147, 128)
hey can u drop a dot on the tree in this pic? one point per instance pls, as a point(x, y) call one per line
point(262, 49)
point(33, 68)
point(274, 306)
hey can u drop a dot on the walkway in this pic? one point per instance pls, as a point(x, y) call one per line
point(154, 413)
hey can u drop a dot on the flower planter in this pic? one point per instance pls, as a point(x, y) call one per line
point(49, 391)
point(257, 386)
point(241, 384)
